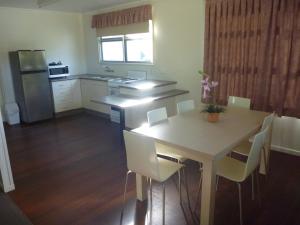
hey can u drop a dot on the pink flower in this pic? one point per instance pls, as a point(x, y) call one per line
point(208, 86)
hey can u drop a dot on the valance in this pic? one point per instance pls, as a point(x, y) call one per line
point(129, 16)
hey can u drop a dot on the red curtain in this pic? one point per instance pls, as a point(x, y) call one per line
point(137, 14)
point(252, 47)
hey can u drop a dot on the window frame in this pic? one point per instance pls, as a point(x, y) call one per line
point(124, 46)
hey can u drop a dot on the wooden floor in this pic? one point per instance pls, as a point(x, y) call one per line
point(71, 171)
point(10, 214)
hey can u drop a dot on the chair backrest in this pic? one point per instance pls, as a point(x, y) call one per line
point(255, 151)
point(157, 115)
point(141, 154)
point(185, 106)
point(268, 120)
point(239, 102)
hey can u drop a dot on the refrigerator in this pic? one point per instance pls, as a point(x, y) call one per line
point(31, 85)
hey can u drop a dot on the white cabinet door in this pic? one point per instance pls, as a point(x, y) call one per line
point(76, 94)
point(66, 95)
point(92, 90)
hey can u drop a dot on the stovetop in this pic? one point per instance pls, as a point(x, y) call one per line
point(119, 81)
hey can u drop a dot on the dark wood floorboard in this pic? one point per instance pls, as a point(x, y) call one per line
point(10, 214)
point(72, 170)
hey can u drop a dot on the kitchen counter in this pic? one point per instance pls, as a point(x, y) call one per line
point(126, 101)
point(147, 84)
point(95, 77)
point(138, 85)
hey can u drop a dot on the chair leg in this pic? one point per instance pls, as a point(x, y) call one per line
point(265, 161)
point(124, 194)
point(252, 181)
point(198, 192)
point(164, 204)
point(258, 187)
point(240, 203)
point(179, 182)
point(217, 182)
point(150, 180)
point(186, 187)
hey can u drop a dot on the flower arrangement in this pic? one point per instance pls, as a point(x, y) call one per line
point(212, 108)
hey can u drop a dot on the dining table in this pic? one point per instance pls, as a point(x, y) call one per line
point(193, 137)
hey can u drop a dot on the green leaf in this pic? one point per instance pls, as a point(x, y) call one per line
point(211, 108)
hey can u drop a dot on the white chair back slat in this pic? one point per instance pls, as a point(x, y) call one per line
point(141, 155)
point(268, 121)
point(185, 106)
point(157, 115)
point(255, 152)
point(239, 102)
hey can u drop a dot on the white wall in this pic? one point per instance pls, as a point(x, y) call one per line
point(60, 34)
point(178, 43)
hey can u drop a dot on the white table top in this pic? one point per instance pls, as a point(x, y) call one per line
point(193, 133)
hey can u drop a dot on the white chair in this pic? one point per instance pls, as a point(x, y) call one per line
point(238, 171)
point(154, 117)
point(142, 159)
point(239, 102)
point(157, 115)
point(185, 106)
point(245, 146)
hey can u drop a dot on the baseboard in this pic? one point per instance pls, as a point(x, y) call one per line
point(96, 113)
point(289, 151)
point(69, 113)
point(82, 110)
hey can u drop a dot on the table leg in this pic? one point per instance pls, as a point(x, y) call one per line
point(208, 193)
point(141, 187)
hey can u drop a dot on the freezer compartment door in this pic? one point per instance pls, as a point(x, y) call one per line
point(32, 61)
point(37, 96)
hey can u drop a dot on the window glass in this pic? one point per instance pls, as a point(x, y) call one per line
point(112, 51)
point(138, 51)
point(137, 48)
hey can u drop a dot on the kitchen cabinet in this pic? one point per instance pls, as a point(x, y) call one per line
point(92, 90)
point(66, 95)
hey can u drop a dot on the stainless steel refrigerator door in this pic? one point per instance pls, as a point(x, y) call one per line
point(38, 96)
point(32, 61)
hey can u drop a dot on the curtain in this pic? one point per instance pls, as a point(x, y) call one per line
point(252, 47)
point(140, 14)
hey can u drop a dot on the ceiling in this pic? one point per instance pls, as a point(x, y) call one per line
point(63, 5)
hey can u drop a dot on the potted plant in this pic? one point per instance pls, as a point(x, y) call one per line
point(211, 108)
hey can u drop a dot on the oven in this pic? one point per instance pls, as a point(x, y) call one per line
point(58, 71)
point(114, 89)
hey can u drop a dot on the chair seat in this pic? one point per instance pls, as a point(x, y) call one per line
point(167, 151)
point(243, 148)
point(231, 169)
point(167, 168)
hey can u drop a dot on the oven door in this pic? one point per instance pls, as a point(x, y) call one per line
point(58, 71)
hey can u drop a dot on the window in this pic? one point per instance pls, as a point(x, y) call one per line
point(129, 48)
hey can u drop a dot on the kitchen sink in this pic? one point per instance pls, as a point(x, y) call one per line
point(102, 78)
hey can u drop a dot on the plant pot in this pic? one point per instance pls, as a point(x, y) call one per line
point(213, 117)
